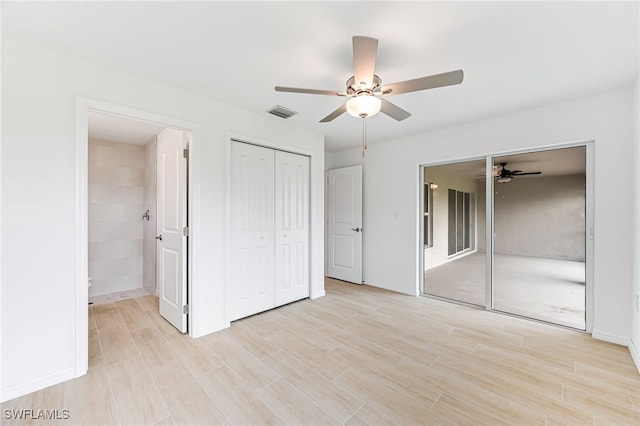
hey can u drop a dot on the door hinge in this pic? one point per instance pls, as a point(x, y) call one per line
point(185, 231)
point(185, 153)
point(185, 309)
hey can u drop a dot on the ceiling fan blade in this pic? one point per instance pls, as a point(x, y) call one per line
point(438, 80)
point(309, 91)
point(335, 114)
point(527, 173)
point(365, 50)
point(393, 110)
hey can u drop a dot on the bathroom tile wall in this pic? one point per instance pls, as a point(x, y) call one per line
point(116, 206)
point(149, 227)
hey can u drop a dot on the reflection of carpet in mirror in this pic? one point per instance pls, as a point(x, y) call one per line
point(546, 289)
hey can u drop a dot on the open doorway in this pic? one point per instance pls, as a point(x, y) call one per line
point(122, 208)
point(532, 262)
point(84, 335)
point(137, 216)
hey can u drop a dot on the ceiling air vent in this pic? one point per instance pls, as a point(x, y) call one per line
point(282, 112)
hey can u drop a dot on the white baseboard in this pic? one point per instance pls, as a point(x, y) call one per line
point(610, 337)
point(317, 294)
point(196, 333)
point(635, 355)
point(25, 388)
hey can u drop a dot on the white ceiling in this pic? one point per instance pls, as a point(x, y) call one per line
point(515, 55)
point(117, 129)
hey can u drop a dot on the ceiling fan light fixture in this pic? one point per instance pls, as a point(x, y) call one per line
point(504, 179)
point(364, 106)
point(364, 87)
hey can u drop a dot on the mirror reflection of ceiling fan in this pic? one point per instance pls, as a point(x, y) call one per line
point(505, 175)
point(366, 90)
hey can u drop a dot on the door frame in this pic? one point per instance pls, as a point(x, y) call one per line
point(330, 204)
point(83, 106)
point(589, 221)
point(230, 137)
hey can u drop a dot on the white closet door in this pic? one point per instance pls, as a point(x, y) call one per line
point(251, 286)
point(292, 227)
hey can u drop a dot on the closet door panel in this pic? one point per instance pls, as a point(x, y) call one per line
point(251, 286)
point(292, 227)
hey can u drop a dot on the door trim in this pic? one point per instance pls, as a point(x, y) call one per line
point(589, 222)
point(83, 106)
point(358, 248)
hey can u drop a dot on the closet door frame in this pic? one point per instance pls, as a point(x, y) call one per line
point(232, 137)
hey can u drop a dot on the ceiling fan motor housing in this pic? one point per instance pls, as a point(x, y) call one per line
point(365, 87)
point(354, 88)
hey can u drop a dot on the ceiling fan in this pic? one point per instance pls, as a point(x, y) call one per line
point(366, 90)
point(505, 175)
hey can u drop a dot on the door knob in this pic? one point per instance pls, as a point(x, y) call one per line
point(356, 229)
point(159, 237)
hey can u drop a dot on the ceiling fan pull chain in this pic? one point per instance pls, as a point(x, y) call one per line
point(363, 135)
point(364, 124)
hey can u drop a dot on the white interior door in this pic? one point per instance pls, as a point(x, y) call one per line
point(292, 227)
point(172, 253)
point(252, 231)
point(345, 224)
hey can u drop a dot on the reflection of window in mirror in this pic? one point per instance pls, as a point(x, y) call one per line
point(428, 214)
point(460, 221)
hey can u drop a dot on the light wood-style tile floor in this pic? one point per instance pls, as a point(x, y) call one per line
point(360, 355)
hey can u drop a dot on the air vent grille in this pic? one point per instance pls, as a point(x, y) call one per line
point(282, 112)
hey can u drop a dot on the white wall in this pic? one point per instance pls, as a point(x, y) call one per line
point(39, 89)
point(635, 277)
point(116, 199)
point(391, 211)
